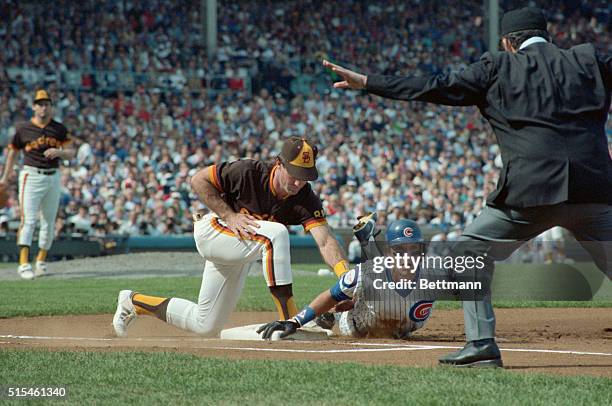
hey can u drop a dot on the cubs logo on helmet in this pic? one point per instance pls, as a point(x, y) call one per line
point(403, 231)
point(420, 311)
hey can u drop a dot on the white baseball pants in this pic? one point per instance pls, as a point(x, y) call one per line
point(39, 196)
point(228, 261)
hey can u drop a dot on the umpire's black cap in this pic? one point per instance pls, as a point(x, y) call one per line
point(527, 18)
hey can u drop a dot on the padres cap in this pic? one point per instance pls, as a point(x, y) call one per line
point(298, 156)
point(41, 95)
point(528, 18)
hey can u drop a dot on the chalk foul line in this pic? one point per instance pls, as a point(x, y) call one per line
point(386, 346)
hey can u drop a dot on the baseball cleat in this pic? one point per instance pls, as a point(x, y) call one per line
point(40, 269)
point(25, 271)
point(125, 313)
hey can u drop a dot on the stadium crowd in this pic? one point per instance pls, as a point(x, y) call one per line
point(138, 149)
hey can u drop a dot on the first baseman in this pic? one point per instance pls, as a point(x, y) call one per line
point(251, 204)
point(44, 143)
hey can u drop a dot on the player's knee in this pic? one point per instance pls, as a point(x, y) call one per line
point(277, 231)
point(205, 328)
point(29, 221)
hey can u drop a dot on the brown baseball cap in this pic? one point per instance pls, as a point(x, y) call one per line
point(298, 156)
point(41, 95)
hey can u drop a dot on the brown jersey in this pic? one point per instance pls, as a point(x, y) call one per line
point(246, 186)
point(35, 140)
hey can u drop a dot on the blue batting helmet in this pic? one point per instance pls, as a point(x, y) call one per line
point(403, 231)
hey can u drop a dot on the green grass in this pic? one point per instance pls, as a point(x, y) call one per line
point(8, 265)
point(173, 378)
point(94, 296)
point(98, 295)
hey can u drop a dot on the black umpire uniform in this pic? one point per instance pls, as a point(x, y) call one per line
point(548, 108)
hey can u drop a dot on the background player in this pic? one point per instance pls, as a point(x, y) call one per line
point(43, 142)
point(373, 312)
point(251, 202)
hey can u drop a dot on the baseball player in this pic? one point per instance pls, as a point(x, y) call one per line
point(373, 310)
point(44, 143)
point(251, 203)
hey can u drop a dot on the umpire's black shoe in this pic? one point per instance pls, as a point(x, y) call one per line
point(479, 353)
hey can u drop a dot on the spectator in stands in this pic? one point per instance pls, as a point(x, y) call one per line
point(143, 142)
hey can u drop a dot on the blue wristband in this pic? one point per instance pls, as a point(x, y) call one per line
point(307, 314)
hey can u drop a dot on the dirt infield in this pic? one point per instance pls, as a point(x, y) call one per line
point(561, 341)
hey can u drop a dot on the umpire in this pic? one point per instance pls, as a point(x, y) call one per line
point(548, 108)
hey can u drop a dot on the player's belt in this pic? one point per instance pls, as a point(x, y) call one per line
point(41, 171)
point(46, 171)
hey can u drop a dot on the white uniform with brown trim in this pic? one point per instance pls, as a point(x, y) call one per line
point(246, 185)
point(39, 195)
point(39, 180)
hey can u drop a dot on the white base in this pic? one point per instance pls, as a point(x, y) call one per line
point(249, 333)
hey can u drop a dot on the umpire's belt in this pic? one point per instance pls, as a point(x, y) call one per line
point(199, 215)
point(41, 171)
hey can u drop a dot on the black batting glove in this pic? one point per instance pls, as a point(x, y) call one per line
point(287, 327)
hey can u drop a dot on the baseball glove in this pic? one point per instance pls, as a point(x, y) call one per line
point(366, 232)
point(365, 227)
